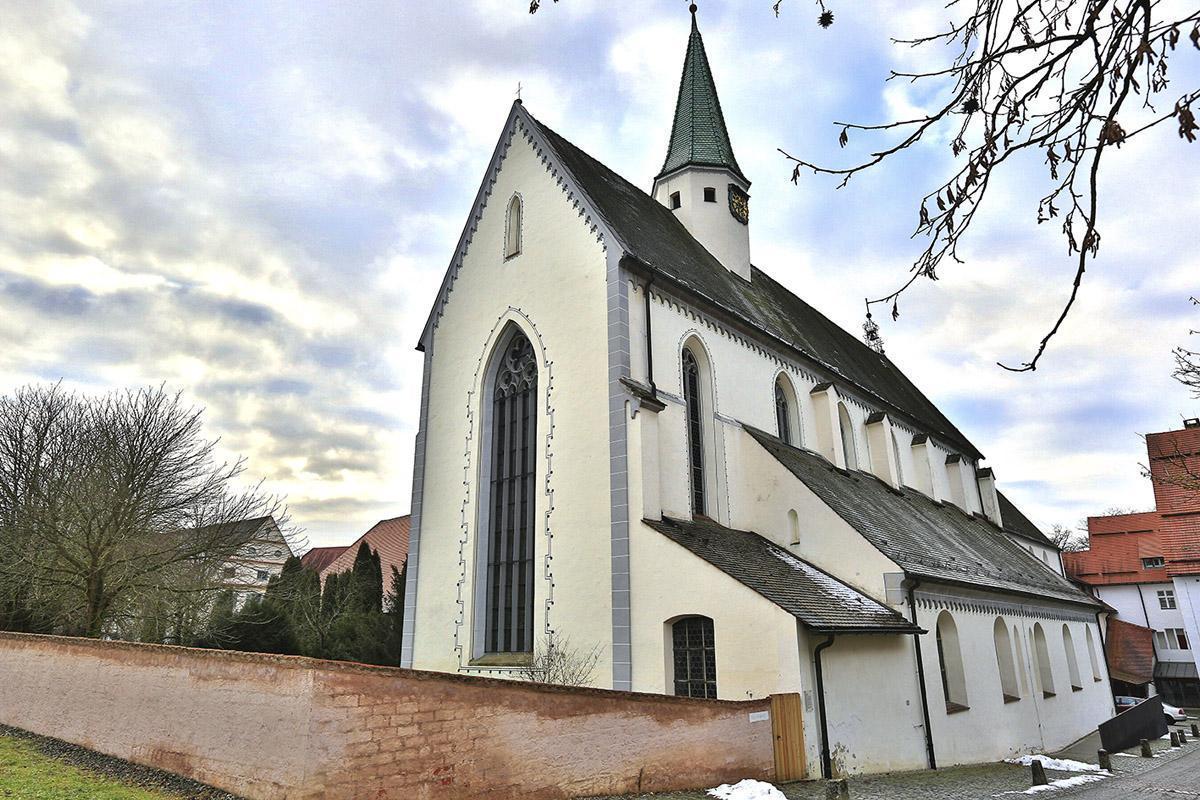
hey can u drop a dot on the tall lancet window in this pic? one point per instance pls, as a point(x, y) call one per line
point(511, 485)
point(783, 413)
point(695, 429)
point(512, 230)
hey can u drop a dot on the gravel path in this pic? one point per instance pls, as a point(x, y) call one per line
point(118, 769)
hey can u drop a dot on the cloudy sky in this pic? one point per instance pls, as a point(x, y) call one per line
point(254, 202)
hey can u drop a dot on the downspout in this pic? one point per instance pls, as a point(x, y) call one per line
point(649, 342)
point(912, 612)
point(826, 762)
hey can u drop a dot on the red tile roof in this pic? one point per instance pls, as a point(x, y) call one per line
point(1117, 545)
point(389, 537)
point(1130, 651)
point(318, 558)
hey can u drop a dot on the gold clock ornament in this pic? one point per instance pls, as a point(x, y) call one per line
point(739, 204)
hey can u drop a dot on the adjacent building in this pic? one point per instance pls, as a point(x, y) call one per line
point(633, 438)
point(1146, 566)
point(388, 537)
point(258, 560)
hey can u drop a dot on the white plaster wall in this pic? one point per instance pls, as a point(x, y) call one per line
point(755, 639)
point(1127, 599)
point(992, 729)
point(1187, 598)
point(873, 703)
point(556, 291)
point(711, 223)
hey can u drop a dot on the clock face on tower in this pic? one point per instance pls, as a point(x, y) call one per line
point(739, 204)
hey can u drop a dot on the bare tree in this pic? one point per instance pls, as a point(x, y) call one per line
point(556, 660)
point(1064, 80)
point(1069, 539)
point(113, 504)
point(1187, 363)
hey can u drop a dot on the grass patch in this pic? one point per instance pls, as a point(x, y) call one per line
point(26, 774)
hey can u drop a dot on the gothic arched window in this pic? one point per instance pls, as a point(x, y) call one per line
point(694, 657)
point(1072, 660)
point(1004, 662)
point(695, 429)
point(512, 230)
point(1041, 657)
point(510, 511)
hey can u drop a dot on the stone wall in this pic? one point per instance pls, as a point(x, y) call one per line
point(272, 727)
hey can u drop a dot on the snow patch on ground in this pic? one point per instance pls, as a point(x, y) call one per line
point(1065, 783)
point(746, 790)
point(1059, 764)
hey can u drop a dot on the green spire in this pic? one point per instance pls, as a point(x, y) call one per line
point(698, 135)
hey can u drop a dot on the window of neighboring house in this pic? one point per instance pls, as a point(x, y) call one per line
point(512, 229)
point(694, 657)
point(954, 679)
point(1156, 562)
point(263, 575)
point(710, 194)
point(1171, 639)
point(1166, 598)
point(229, 572)
point(511, 478)
point(695, 430)
point(675, 201)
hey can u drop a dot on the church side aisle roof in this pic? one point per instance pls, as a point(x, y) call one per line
point(656, 240)
point(816, 598)
point(926, 538)
point(698, 133)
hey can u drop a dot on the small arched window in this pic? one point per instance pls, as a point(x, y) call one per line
point(512, 228)
point(511, 485)
point(793, 526)
point(694, 657)
point(1091, 646)
point(954, 678)
point(847, 431)
point(1041, 655)
point(1004, 661)
point(695, 429)
point(1072, 660)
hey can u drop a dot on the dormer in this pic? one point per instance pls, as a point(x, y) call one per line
point(700, 180)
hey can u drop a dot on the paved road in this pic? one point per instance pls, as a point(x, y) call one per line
point(1177, 779)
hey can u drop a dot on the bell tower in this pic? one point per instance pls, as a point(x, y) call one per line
point(700, 180)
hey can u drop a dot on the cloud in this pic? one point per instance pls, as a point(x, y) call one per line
point(257, 208)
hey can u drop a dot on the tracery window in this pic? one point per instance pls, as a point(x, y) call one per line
point(694, 657)
point(511, 482)
point(782, 414)
point(695, 429)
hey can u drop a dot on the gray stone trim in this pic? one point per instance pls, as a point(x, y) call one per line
point(618, 445)
point(414, 531)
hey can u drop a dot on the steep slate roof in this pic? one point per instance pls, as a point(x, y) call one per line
point(816, 598)
point(926, 538)
point(1018, 524)
point(698, 134)
point(656, 241)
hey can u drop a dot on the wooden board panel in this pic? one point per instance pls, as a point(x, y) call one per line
point(787, 726)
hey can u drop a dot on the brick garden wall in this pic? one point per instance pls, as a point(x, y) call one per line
point(269, 727)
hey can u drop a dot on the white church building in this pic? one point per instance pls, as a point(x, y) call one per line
point(633, 439)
